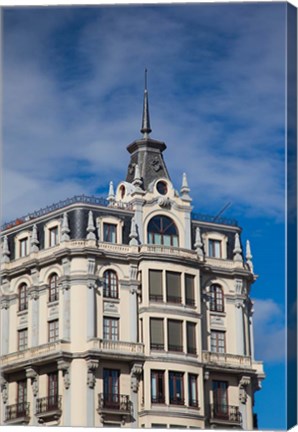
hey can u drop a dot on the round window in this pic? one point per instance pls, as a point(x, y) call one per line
point(122, 191)
point(162, 187)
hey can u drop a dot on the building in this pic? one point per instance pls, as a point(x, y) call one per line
point(130, 311)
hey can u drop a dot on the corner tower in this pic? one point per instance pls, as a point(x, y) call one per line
point(146, 152)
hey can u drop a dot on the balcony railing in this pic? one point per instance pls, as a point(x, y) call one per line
point(156, 297)
point(48, 404)
point(226, 413)
point(174, 299)
point(175, 348)
point(235, 360)
point(158, 399)
point(156, 346)
point(17, 411)
point(114, 402)
point(109, 346)
point(176, 401)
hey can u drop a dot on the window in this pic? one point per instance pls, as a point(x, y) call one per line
point(111, 388)
point(23, 297)
point(156, 334)
point(109, 233)
point(218, 341)
point(157, 386)
point(216, 299)
point(214, 248)
point(24, 247)
point(173, 281)
point(220, 399)
point(155, 285)
point(53, 397)
point(192, 390)
point(111, 329)
point(162, 231)
point(53, 288)
point(176, 388)
point(22, 339)
point(158, 426)
point(110, 284)
point(21, 398)
point(189, 290)
point(53, 330)
point(191, 338)
point(53, 236)
point(162, 187)
point(175, 336)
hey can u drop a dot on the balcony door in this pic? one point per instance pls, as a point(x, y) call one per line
point(21, 398)
point(53, 390)
point(111, 388)
point(220, 399)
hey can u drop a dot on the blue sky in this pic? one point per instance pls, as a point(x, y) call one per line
point(73, 86)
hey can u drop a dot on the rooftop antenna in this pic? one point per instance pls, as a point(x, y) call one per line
point(222, 211)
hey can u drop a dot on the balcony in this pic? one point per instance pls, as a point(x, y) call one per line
point(225, 415)
point(114, 348)
point(48, 408)
point(17, 413)
point(228, 360)
point(111, 405)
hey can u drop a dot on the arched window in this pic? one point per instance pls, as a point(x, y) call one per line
point(53, 287)
point(216, 298)
point(110, 284)
point(162, 230)
point(23, 297)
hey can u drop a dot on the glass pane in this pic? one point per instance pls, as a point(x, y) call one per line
point(167, 240)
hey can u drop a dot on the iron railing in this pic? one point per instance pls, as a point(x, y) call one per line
point(156, 297)
point(175, 348)
point(49, 403)
point(225, 412)
point(177, 401)
point(16, 411)
point(214, 219)
point(114, 402)
point(158, 399)
point(173, 299)
point(157, 346)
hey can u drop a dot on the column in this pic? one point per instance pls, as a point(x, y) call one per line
point(66, 311)
point(239, 327)
point(243, 387)
point(64, 367)
point(251, 334)
point(32, 382)
point(4, 393)
point(34, 295)
point(4, 326)
point(135, 376)
point(91, 332)
point(187, 230)
point(133, 303)
point(92, 366)
point(139, 219)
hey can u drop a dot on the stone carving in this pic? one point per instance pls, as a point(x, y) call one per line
point(133, 235)
point(206, 375)
point(5, 250)
point(34, 240)
point(33, 376)
point(4, 303)
point(156, 164)
point(33, 293)
point(216, 320)
point(131, 168)
point(110, 307)
point(133, 272)
point(64, 367)
point(91, 266)
point(91, 369)
point(90, 227)
point(4, 390)
point(164, 202)
point(239, 286)
point(137, 181)
point(198, 244)
point(65, 228)
point(244, 382)
point(136, 373)
point(66, 266)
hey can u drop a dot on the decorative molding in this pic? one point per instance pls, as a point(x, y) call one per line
point(4, 390)
point(216, 320)
point(66, 266)
point(206, 375)
point(133, 272)
point(91, 266)
point(164, 202)
point(199, 245)
point(244, 382)
point(92, 365)
point(136, 373)
point(5, 251)
point(64, 366)
point(33, 376)
point(110, 307)
point(4, 303)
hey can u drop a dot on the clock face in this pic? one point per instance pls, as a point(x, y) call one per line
point(162, 187)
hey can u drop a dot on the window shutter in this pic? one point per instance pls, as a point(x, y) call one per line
point(175, 335)
point(173, 285)
point(155, 283)
point(189, 289)
point(157, 333)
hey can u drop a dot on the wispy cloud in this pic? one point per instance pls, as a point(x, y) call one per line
point(73, 81)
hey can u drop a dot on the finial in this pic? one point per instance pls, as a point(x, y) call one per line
point(5, 250)
point(237, 249)
point(65, 228)
point(111, 196)
point(90, 227)
point(249, 257)
point(34, 239)
point(185, 189)
point(133, 235)
point(198, 244)
point(146, 129)
point(137, 181)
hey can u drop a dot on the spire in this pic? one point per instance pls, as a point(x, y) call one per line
point(5, 250)
point(249, 257)
point(111, 196)
point(133, 235)
point(34, 239)
point(65, 228)
point(146, 119)
point(90, 227)
point(185, 189)
point(237, 249)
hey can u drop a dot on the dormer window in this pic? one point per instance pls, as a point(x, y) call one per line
point(162, 231)
point(214, 248)
point(53, 236)
point(109, 233)
point(24, 247)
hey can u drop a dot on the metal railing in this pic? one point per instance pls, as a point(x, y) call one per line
point(157, 346)
point(174, 299)
point(156, 297)
point(228, 413)
point(16, 411)
point(175, 348)
point(114, 402)
point(176, 401)
point(213, 219)
point(49, 403)
point(158, 399)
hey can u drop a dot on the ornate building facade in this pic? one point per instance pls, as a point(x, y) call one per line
point(130, 311)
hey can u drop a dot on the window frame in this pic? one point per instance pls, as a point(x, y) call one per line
point(193, 388)
point(160, 232)
point(22, 339)
point(213, 252)
point(53, 330)
point(175, 348)
point(218, 341)
point(108, 325)
point(216, 294)
point(53, 390)
point(157, 346)
point(23, 297)
point(158, 376)
point(108, 238)
point(110, 287)
point(54, 229)
point(176, 377)
point(24, 251)
point(53, 288)
point(191, 349)
point(220, 391)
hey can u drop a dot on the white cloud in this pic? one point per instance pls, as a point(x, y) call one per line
point(269, 331)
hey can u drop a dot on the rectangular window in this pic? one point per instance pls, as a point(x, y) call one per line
point(156, 334)
point(191, 338)
point(214, 248)
point(173, 281)
point(111, 329)
point(218, 341)
point(155, 285)
point(53, 330)
point(22, 339)
point(24, 247)
point(109, 233)
point(193, 390)
point(175, 336)
point(189, 290)
point(53, 390)
point(158, 426)
point(220, 399)
point(21, 398)
point(111, 388)
point(23, 298)
point(157, 386)
point(53, 232)
point(176, 388)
